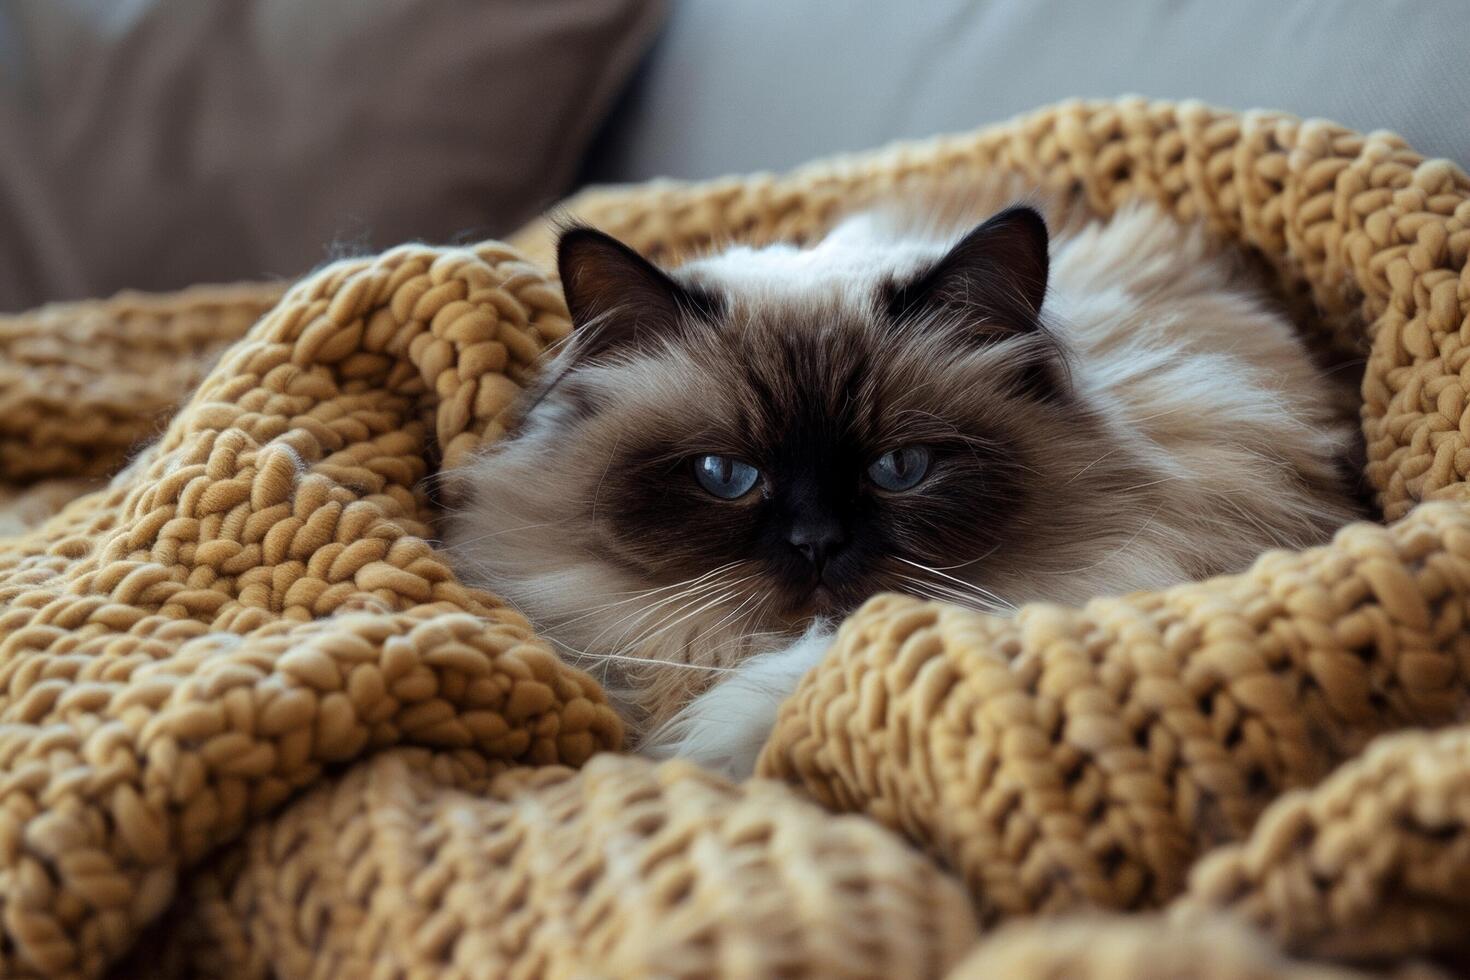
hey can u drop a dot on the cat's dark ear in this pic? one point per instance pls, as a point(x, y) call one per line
point(994, 277)
point(618, 299)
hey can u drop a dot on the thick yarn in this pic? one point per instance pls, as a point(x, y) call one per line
point(191, 655)
point(81, 384)
point(255, 598)
point(415, 864)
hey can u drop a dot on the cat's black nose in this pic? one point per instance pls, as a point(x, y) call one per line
point(817, 538)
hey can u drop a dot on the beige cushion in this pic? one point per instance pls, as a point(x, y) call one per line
point(154, 143)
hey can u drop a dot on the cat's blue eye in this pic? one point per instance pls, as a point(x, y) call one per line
point(724, 476)
point(900, 469)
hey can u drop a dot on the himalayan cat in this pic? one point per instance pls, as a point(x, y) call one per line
point(728, 457)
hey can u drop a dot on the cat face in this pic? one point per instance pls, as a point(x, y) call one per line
point(757, 439)
point(826, 450)
point(794, 449)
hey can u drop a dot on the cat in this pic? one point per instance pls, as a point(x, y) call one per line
point(729, 456)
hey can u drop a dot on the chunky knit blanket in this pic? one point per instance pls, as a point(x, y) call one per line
point(251, 724)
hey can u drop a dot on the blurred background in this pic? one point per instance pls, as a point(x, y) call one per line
point(156, 143)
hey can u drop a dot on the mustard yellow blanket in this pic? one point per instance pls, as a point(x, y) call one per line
point(251, 725)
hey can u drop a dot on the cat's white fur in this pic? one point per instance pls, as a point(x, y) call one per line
point(1187, 365)
point(725, 728)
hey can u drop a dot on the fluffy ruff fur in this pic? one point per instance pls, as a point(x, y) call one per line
point(1197, 434)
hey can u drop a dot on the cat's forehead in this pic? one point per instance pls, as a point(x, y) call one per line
point(793, 377)
point(771, 350)
point(844, 271)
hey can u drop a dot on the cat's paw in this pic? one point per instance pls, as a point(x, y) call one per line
point(725, 728)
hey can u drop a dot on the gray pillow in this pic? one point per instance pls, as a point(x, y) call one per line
point(155, 143)
point(735, 87)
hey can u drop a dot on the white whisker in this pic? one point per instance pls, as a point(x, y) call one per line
point(641, 661)
point(968, 586)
